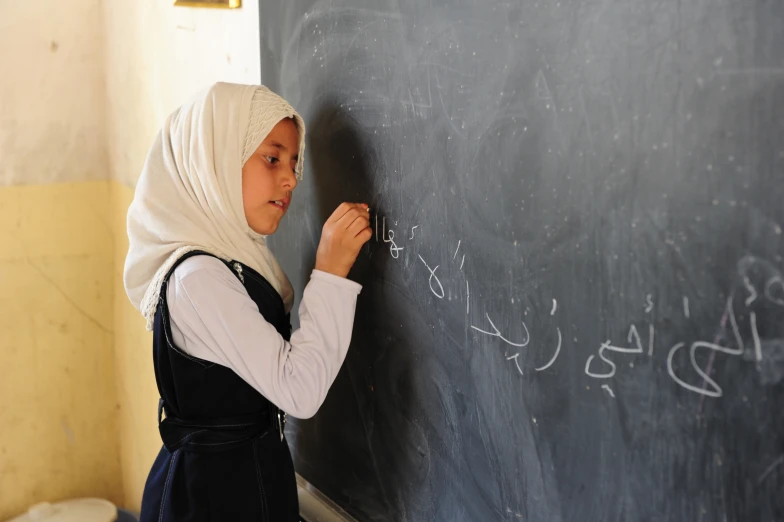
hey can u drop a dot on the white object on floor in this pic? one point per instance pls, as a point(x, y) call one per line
point(78, 510)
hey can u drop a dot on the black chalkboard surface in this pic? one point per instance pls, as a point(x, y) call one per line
point(573, 305)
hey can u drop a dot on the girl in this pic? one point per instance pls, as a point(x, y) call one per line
point(218, 179)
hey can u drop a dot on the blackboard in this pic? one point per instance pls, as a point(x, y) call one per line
point(573, 305)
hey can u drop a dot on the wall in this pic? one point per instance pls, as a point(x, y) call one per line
point(57, 392)
point(137, 394)
point(52, 103)
point(157, 56)
point(92, 82)
point(58, 421)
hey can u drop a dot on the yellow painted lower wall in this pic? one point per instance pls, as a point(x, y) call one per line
point(78, 401)
point(58, 401)
point(137, 394)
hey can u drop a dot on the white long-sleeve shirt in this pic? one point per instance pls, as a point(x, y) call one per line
point(213, 318)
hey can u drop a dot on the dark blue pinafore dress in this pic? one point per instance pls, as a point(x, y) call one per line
point(224, 457)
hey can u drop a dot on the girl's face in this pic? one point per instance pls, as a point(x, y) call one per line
point(268, 178)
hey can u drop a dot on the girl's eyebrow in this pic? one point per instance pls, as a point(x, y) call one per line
point(282, 147)
point(277, 145)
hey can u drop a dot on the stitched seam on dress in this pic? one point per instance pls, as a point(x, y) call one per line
point(167, 483)
point(264, 512)
point(164, 318)
point(188, 435)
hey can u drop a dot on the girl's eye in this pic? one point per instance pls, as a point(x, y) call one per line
point(271, 159)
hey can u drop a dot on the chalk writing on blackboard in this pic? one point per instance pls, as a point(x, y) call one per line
point(601, 365)
point(440, 293)
point(497, 333)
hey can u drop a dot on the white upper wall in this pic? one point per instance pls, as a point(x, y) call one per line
point(86, 84)
point(157, 56)
point(52, 110)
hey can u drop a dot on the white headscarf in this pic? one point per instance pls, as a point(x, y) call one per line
point(189, 195)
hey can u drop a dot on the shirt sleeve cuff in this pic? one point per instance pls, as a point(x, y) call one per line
point(342, 282)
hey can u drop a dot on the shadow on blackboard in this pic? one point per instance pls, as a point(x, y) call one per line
point(339, 450)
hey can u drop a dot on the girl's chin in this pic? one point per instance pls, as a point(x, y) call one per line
point(267, 228)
